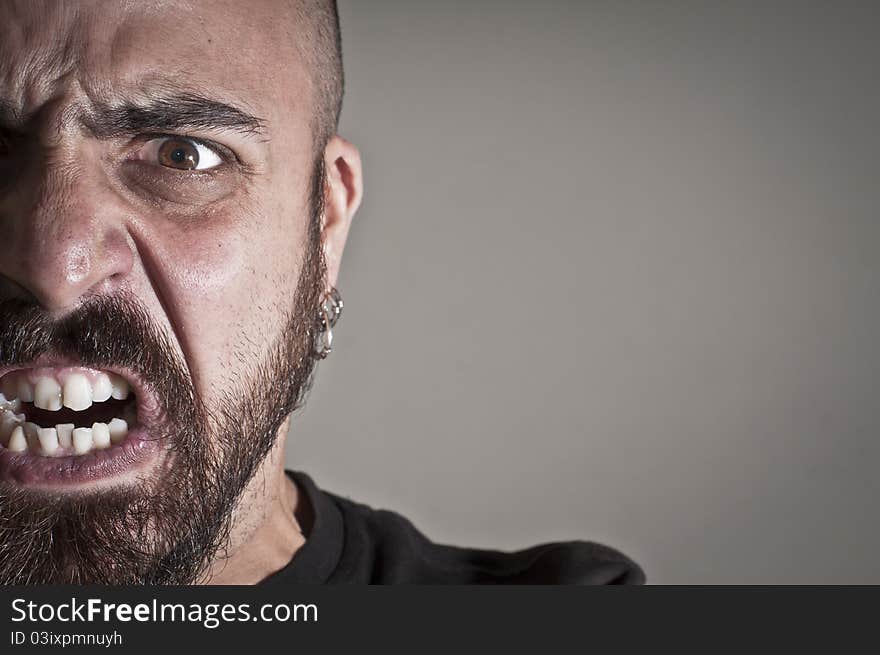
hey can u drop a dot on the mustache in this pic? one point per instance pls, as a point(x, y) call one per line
point(102, 332)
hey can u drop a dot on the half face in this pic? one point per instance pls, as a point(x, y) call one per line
point(160, 270)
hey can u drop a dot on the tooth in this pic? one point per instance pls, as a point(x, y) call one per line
point(7, 425)
point(118, 430)
point(47, 394)
point(82, 440)
point(17, 442)
point(65, 434)
point(77, 392)
point(100, 435)
point(102, 388)
point(120, 387)
point(48, 438)
point(8, 422)
point(24, 390)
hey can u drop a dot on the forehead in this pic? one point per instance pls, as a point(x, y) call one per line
point(107, 49)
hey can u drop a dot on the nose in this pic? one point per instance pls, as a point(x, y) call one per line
point(62, 239)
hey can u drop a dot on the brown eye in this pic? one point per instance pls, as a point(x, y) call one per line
point(176, 153)
point(179, 153)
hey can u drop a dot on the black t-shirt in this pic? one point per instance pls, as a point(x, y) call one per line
point(350, 543)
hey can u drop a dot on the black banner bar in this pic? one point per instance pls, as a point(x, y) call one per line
point(535, 619)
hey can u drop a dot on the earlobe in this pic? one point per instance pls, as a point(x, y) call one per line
point(342, 196)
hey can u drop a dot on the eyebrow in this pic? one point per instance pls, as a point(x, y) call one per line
point(187, 111)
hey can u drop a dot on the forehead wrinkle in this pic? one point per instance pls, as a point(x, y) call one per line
point(41, 56)
point(113, 48)
point(31, 82)
point(56, 115)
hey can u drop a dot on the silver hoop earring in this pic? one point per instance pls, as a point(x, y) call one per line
point(329, 312)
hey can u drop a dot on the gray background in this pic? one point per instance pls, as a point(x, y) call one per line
point(615, 278)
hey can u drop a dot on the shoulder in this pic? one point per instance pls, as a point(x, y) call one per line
point(383, 547)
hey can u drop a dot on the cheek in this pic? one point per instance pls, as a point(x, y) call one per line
point(209, 272)
point(232, 288)
point(218, 259)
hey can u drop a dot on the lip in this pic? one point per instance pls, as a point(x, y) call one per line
point(28, 469)
point(136, 453)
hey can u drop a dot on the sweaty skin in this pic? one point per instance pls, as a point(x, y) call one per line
point(214, 256)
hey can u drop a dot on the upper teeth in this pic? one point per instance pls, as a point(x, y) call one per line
point(77, 392)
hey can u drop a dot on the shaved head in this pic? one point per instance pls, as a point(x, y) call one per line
point(321, 49)
point(309, 27)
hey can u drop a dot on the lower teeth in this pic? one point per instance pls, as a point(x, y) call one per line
point(19, 435)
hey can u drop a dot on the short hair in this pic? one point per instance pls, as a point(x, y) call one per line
point(318, 29)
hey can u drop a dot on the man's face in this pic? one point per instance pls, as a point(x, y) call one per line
point(160, 273)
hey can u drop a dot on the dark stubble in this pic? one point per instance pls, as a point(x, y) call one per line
point(168, 529)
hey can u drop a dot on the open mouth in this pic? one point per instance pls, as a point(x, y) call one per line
point(62, 412)
point(71, 423)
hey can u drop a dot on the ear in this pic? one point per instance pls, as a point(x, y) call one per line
point(343, 189)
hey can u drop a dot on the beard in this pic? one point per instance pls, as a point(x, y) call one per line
point(166, 529)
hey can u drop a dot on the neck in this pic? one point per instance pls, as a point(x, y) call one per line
point(265, 532)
